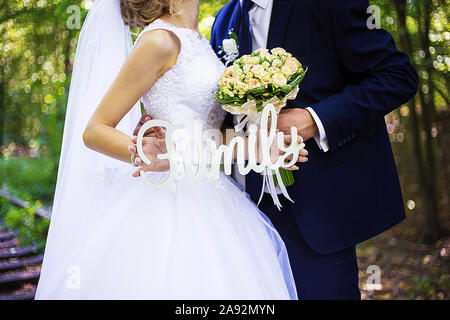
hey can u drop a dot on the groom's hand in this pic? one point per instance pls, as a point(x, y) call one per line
point(300, 118)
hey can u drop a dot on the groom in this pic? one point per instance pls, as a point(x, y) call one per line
point(349, 190)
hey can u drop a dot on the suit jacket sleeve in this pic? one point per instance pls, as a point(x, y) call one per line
point(380, 78)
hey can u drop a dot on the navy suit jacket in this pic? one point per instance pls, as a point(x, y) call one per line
point(356, 76)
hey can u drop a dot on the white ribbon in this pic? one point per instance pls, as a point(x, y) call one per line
point(269, 180)
point(242, 122)
point(282, 186)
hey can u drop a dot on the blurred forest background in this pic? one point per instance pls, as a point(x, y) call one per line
point(38, 39)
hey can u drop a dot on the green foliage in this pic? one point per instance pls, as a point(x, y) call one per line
point(32, 229)
point(5, 205)
point(444, 282)
point(29, 178)
point(428, 287)
point(208, 10)
point(421, 286)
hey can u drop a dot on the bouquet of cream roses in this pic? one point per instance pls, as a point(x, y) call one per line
point(253, 81)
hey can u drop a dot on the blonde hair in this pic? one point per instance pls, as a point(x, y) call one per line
point(140, 13)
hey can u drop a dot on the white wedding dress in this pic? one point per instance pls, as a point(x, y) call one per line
point(199, 239)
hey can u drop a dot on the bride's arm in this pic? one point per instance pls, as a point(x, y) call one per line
point(152, 56)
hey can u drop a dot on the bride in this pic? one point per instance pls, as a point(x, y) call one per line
point(113, 237)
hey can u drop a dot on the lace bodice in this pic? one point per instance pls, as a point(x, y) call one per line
point(186, 93)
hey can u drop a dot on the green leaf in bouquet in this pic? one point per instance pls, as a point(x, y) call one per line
point(230, 100)
point(257, 91)
point(226, 99)
point(296, 79)
point(259, 105)
point(235, 37)
point(280, 95)
point(286, 88)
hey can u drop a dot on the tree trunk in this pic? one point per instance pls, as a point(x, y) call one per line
point(426, 174)
point(433, 229)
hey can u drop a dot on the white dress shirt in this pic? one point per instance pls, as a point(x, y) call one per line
point(260, 15)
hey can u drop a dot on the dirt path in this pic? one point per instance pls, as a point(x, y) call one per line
point(409, 270)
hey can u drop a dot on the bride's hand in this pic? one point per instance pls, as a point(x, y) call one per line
point(152, 146)
point(152, 132)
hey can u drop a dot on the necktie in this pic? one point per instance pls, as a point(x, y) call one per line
point(245, 37)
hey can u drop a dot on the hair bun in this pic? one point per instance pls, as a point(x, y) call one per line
point(142, 12)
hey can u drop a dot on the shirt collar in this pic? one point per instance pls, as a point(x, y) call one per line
point(260, 3)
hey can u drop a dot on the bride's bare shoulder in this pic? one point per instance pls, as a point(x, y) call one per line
point(156, 49)
point(165, 42)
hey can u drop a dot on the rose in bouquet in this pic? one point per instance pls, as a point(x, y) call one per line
point(253, 81)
